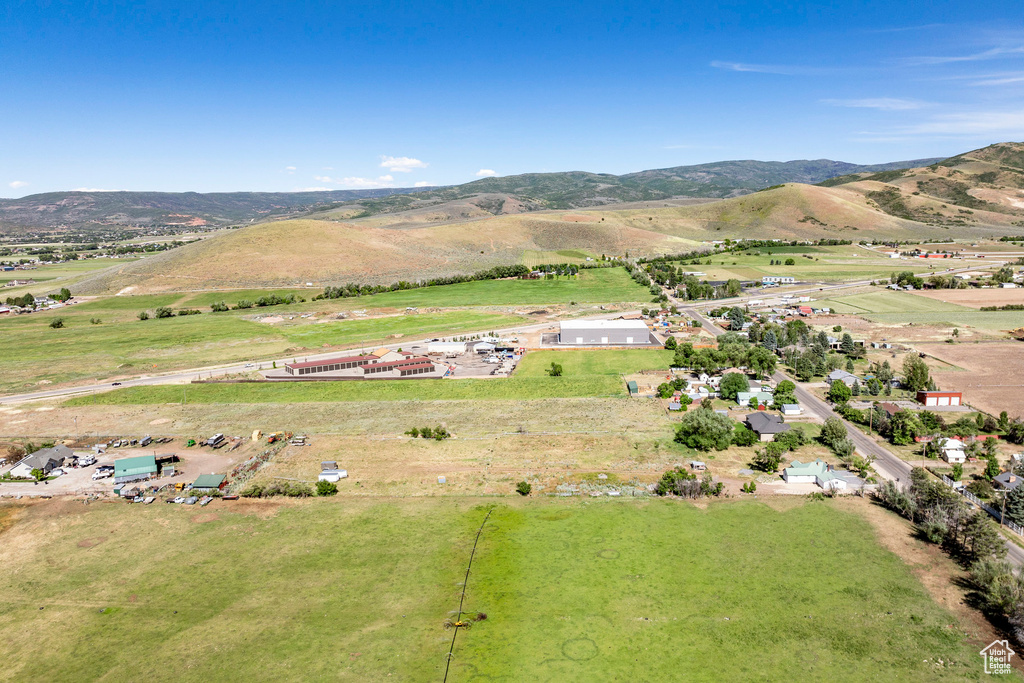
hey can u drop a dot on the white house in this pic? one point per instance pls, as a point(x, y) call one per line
point(952, 450)
point(791, 409)
point(843, 376)
point(818, 472)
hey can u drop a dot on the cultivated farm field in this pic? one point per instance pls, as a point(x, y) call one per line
point(990, 375)
point(360, 590)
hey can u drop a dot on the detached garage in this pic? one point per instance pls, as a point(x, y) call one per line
point(939, 398)
point(604, 333)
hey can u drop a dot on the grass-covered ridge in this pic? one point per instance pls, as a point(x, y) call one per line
point(572, 591)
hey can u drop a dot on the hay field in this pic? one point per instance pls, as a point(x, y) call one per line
point(881, 300)
point(358, 590)
point(994, 377)
point(976, 298)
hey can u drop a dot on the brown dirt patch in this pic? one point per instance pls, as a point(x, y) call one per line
point(91, 542)
point(205, 517)
point(976, 298)
point(992, 377)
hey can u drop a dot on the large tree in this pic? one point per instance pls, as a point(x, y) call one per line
point(705, 430)
point(732, 384)
point(915, 373)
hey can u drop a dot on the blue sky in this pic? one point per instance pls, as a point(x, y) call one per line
point(220, 96)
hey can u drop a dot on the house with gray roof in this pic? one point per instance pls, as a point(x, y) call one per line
point(766, 425)
point(46, 460)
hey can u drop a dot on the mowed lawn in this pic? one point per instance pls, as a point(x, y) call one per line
point(583, 363)
point(359, 590)
point(376, 390)
point(120, 344)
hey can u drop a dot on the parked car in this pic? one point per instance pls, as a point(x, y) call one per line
point(102, 474)
point(250, 365)
point(56, 472)
point(115, 384)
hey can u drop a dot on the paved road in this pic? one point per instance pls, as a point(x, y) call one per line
point(886, 464)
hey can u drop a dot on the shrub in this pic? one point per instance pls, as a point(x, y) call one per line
point(290, 489)
point(218, 307)
point(57, 323)
point(524, 488)
point(326, 488)
point(555, 370)
point(749, 487)
point(164, 312)
point(143, 315)
point(744, 436)
point(189, 311)
point(95, 321)
point(243, 304)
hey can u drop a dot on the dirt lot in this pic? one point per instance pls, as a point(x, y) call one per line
point(976, 298)
point(192, 462)
point(992, 375)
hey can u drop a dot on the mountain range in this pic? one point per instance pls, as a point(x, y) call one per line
point(107, 212)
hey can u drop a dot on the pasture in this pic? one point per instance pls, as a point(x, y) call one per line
point(359, 590)
point(577, 363)
point(366, 390)
point(887, 301)
point(50, 278)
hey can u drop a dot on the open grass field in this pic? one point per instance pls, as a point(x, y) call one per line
point(52, 278)
point(976, 298)
point(598, 362)
point(887, 301)
point(370, 390)
point(121, 344)
point(826, 264)
point(359, 591)
point(596, 285)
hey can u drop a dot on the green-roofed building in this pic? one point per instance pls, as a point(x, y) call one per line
point(209, 482)
point(134, 469)
point(633, 388)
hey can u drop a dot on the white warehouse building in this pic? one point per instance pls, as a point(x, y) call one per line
point(604, 332)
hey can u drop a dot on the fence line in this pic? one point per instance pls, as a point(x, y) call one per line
point(1017, 529)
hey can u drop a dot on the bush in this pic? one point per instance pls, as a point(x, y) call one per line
point(95, 321)
point(744, 436)
point(243, 304)
point(555, 370)
point(326, 488)
point(749, 487)
point(189, 311)
point(57, 323)
point(524, 488)
point(164, 312)
point(290, 489)
point(218, 307)
point(143, 315)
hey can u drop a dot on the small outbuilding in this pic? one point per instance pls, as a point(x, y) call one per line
point(939, 398)
point(209, 482)
point(790, 409)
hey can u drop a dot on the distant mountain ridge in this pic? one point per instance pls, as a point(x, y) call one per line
point(90, 211)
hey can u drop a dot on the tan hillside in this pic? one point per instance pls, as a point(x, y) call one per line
point(293, 252)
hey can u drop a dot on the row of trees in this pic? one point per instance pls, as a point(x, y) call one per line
point(733, 351)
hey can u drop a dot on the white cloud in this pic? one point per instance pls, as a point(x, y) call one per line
point(366, 183)
point(323, 179)
point(17, 183)
point(1009, 123)
point(883, 103)
point(486, 173)
point(994, 53)
point(422, 183)
point(1001, 79)
point(401, 164)
point(289, 170)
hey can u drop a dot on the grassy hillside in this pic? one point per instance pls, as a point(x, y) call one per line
point(290, 253)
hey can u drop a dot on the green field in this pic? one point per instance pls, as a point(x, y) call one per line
point(888, 301)
point(50, 279)
point(827, 264)
point(573, 590)
point(596, 285)
point(993, 321)
point(369, 390)
point(597, 362)
point(121, 344)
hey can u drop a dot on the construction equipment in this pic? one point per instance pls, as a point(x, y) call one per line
point(449, 624)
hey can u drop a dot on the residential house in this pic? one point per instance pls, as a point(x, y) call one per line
point(1008, 480)
point(754, 398)
point(843, 376)
point(952, 450)
point(46, 460)
point(766, 425)
point(818, 472)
